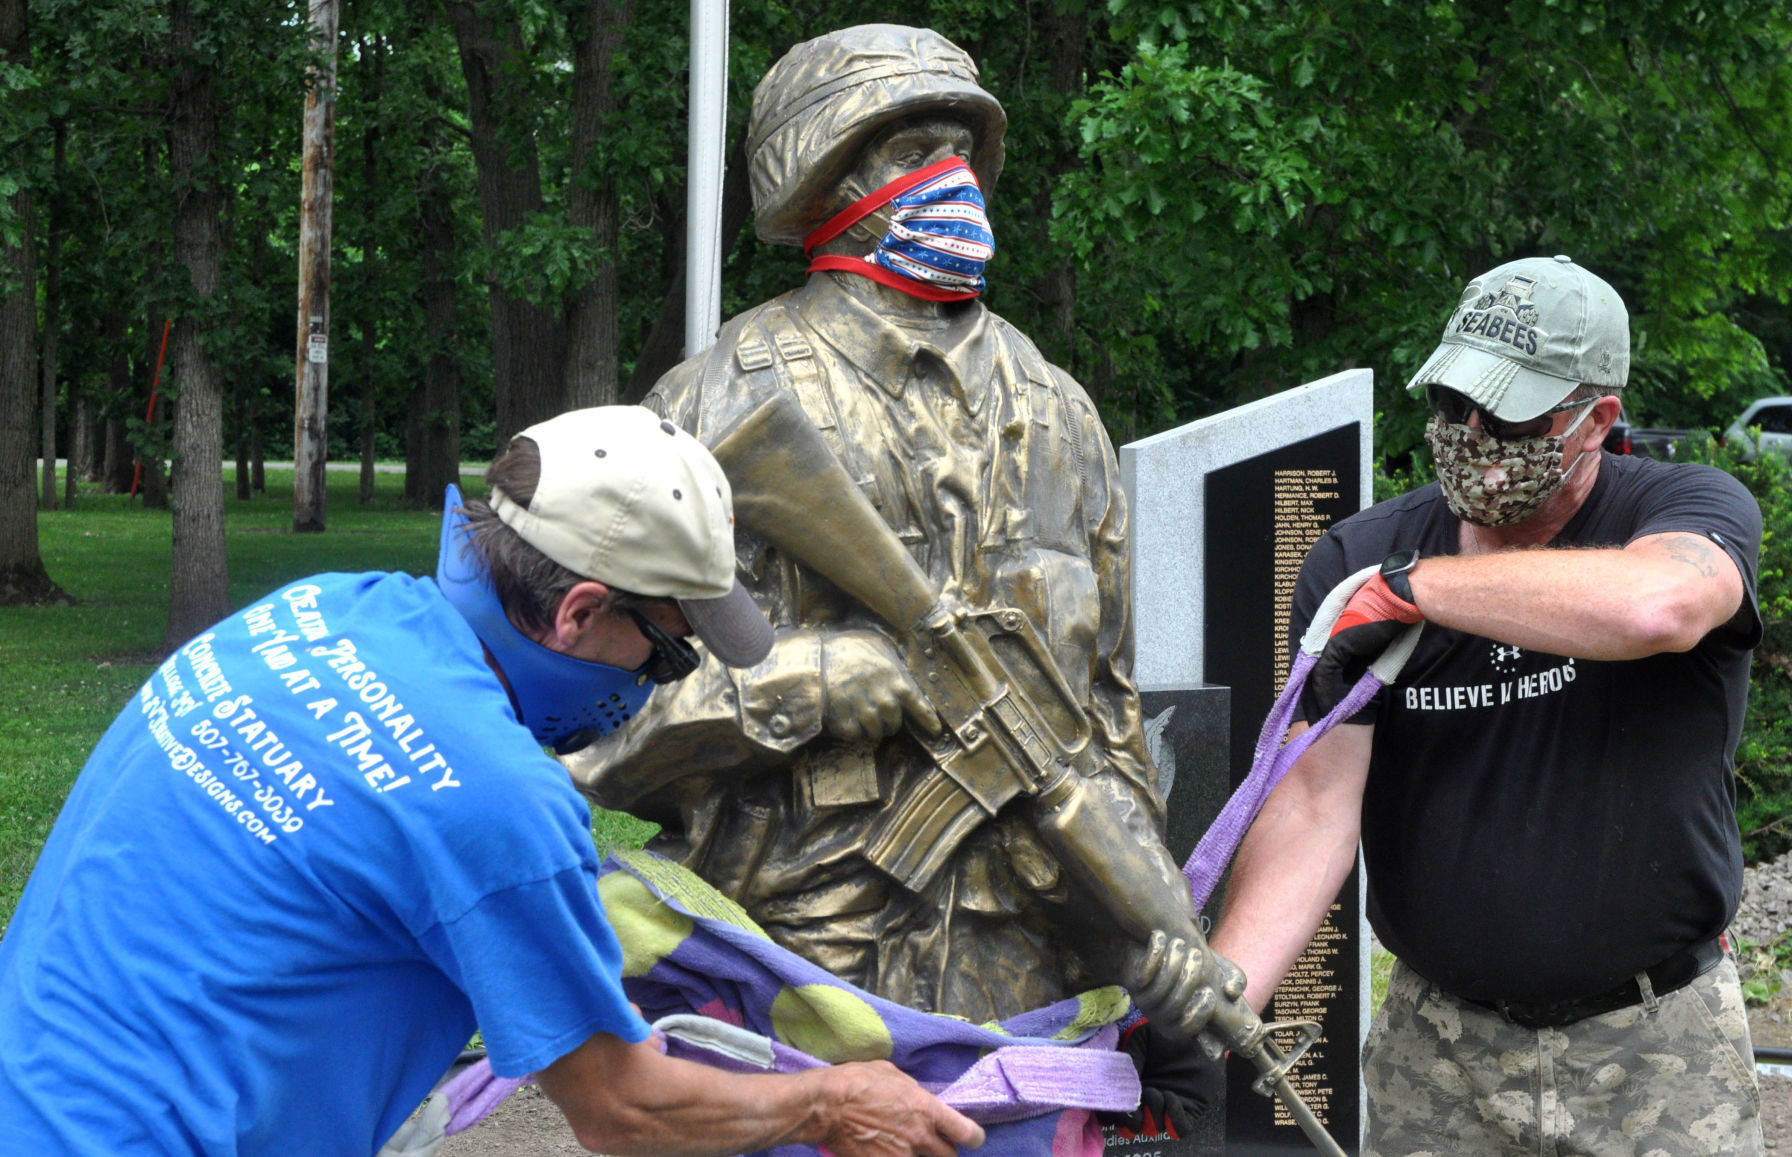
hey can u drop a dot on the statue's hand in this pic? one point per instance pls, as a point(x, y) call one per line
point(1179, 984)
point(868, 690)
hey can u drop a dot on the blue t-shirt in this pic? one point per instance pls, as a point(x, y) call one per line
point(314, 852)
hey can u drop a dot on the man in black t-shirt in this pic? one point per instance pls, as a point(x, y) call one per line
point(1545, 798)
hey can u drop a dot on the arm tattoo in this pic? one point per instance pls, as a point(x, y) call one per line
point(1693, 551)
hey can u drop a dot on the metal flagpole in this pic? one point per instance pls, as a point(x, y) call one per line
point(703, 205)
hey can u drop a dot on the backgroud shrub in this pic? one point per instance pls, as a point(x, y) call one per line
point(1764, 757)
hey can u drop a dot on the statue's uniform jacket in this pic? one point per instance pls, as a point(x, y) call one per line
point(992, 466)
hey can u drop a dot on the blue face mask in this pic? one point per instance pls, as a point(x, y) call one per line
point(563, 701)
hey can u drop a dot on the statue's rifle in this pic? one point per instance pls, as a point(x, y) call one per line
point(1012, 726)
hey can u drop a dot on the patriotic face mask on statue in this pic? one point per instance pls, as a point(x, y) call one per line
point(938, 241)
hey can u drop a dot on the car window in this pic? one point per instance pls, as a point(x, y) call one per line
point(1774, 419)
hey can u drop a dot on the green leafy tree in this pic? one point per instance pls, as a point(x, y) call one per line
point(1310, 185)
point(23, 578)
point(1764, 755)
point(178, 84)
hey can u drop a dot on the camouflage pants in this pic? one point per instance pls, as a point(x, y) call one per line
point(1451, 1079)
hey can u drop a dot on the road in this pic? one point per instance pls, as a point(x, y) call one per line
point(476, 469)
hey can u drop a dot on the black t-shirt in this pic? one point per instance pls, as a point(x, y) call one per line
point(1538, 828)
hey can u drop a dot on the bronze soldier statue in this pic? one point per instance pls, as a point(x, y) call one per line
point(810, 788)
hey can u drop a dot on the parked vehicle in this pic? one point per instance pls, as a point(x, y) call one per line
point(1645, 441)
point(1774, 417)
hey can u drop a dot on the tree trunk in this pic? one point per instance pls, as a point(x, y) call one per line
point(111, 458)
point(84, 461)
point(373, 55)
point(528, 341)
point(258, 478)
point(250, 472)
point(591, 201)
point(23, 578)
point(415, 399)
point(664, 345)
point(199, 588)
point(115, 450)
point(1066, 36)
point(150, 445)
point(432, 460)
point(152, 483)
point(149, 477)
point(52, 316)
point(115, 473)
point(149, 480)
point(153, 488)
point(77, 406)
point(242, 448)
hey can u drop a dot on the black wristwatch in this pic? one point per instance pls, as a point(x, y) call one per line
point(1394, 569)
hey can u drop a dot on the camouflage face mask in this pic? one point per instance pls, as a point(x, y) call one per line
point(1532, 469)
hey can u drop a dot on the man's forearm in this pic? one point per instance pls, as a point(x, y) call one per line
point(1294, 859)
point(629, 1099)
point(1661, 593)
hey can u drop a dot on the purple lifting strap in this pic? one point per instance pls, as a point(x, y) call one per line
point(475, 1091)
point(1029, 1080)
point(1009, 1084)
point(1269, 763)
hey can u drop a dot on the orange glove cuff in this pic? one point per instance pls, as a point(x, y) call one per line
point(1375, 602)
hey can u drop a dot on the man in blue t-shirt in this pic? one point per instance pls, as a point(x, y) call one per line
point(323, 844)
point(1545, 797)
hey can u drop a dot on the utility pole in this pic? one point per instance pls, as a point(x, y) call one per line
point(313, 399)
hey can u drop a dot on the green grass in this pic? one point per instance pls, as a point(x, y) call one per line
point(1766, 969)
point(1381, 966)
point(66, 671)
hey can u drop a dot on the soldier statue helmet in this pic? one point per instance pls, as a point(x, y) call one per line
point(819, 105)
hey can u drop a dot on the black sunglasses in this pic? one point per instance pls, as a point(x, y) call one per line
point(1454, 407)
point(672, 657)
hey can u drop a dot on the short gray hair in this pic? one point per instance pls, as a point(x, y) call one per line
point(530, 585)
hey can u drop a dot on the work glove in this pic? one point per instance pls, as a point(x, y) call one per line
point(1374, 617)
point(1178, 1084)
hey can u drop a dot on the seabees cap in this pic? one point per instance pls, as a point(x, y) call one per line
point(1526, 334)
point(632, 501)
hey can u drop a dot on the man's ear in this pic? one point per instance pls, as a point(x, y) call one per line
point(1599, 423)
point(579, 608)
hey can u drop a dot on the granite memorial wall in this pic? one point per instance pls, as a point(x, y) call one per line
point(1223, 511)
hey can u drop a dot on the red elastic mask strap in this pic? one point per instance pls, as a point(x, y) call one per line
point(875, 200)
point(841, 263)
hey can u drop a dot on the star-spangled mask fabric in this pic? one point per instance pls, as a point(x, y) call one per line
point(938, 241)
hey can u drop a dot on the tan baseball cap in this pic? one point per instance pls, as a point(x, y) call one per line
point(629, 499)
point(1526, 334)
